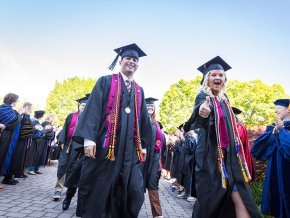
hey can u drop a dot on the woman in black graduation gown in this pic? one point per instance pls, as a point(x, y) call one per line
point(152, 171)
point(111, 181)
point(71, 154)
point(221, 171)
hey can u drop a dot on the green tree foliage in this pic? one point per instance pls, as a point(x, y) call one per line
point(253, 97)
point(177, 103)
point(62, 99)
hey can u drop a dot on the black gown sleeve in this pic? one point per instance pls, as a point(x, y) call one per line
point(63, 134)
point(195, 119)
point(90, 120)
point(145, 125)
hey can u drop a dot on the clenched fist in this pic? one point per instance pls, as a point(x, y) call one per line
point(90, 151)
point(2, 127)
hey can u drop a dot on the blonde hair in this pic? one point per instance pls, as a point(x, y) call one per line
point(153, 117)
point(48, 116)
point(206, 89)
point(178, 134)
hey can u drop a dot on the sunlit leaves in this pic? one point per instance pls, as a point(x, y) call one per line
point(62, 99)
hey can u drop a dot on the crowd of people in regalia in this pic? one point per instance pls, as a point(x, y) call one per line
point(112, 149)
point(27, 142)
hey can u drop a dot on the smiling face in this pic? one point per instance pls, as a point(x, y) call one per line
point(82, 107)
point(129, 65)
point(216, 81)
point(150, 108)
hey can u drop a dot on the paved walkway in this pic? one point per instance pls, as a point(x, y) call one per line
point(32, 197)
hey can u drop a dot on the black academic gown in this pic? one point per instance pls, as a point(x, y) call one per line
point(64, 153)
point(175, 171)
point(18, 158)
point(5, 140)
point(188, 165)
point(112, 187)
point(152, 169)
point(74, 166)
point(168, 159)
point(147, 165)
point(70, 157)
point(32, 149)
point(42, 147)
point(163, 152)
point(212, 200)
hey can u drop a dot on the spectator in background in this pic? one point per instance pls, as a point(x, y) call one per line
point(274, 146)
point(10, 126)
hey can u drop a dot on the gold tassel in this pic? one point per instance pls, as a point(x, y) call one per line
point(245, 176)
point(111, 154)
point(139, 153)
point(68, 148)
point(224, 180)
point(248, 172)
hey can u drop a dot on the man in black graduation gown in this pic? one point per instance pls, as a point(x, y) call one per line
point(111, 182)
point(26, 131)
point(65, 141)
point(31, 159)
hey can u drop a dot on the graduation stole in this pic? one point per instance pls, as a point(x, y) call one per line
point(113, 116)
point(238, 144)
point(72, 125)
point(158, 142)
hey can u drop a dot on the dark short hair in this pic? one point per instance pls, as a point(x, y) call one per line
point(27, 104)
point(10, 98)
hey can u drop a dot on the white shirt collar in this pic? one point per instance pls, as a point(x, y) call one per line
point(126, 78)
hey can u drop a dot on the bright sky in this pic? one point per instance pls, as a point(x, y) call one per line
point(49, 40)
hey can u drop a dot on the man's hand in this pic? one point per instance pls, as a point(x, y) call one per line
point(90, 151)
point(2, 127)
point(279, 124)
point(204, 109)
point(48, 127)
point(61, 146)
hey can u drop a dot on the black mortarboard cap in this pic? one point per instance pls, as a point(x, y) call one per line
point(180, 126)
point(282, 102)
point(236, 110)
point(39, 113)
point(150, 100)
point(216, 63)
point(84, 99)
point(160, 125)
point(131, 50)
